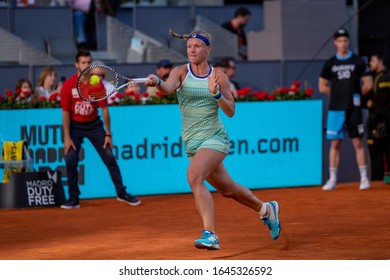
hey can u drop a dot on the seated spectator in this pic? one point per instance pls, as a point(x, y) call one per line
point(228, 66)
point(23, 91)
point(84, 22)
point(133, 91)
point(163, 69)
point(47, 89)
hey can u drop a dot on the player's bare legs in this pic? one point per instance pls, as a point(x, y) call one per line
point(201, 166)
point(207, 164)
point(221, 180)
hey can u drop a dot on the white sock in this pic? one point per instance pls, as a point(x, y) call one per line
point(333, 174)
point(263, 211)
point(363, 172)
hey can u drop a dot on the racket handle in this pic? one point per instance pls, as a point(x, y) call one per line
point(140, 80)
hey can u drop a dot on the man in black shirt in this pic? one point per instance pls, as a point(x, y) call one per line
point(236, 25)
point(345, 77)
point(378, 122)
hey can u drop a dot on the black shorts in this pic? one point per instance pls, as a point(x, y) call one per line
point(354, 122)
point(350, 120)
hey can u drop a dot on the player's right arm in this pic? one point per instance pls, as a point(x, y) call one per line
point(323, 85)
point(172, 83)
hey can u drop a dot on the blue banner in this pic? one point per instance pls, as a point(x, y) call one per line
point(273, 144)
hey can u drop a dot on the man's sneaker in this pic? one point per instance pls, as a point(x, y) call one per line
point(272, 219)
point(71, 203)
point(364, 185)
point(329, 186)
point(132, 200)
point(208, 241)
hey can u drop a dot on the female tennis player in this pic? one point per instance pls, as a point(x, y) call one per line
point(201, 91)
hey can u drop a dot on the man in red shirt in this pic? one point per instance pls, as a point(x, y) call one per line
point(81, 120)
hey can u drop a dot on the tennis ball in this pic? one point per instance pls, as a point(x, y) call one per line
point(94, 80)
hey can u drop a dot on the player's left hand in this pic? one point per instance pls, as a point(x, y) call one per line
point(213, 82)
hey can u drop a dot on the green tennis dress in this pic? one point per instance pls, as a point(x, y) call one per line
point(201, 124)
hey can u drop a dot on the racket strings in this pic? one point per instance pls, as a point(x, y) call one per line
point(99, 82)
point(96, 88)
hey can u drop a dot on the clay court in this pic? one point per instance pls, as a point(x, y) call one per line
point(316, 225)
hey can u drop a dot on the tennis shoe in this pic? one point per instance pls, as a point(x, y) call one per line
point(71, 203)
point(272, 219)
point(208, 241)
point(364, 185)
point(329, 186)
point(129, 199)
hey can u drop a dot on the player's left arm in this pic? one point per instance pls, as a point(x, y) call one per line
point(107, 125)
point(219, 87)
point(367, 84)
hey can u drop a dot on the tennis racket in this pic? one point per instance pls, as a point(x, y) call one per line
point(98, 82)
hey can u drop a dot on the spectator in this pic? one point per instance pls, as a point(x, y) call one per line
point(81, 120)
point(84, 21)
point(228, 66)
point(236, 25)
point(164, 67)
point(23, 91)
point(378, 122)
point(345, 77)
point(46, 88)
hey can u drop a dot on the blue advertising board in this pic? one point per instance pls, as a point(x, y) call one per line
point(273, 144)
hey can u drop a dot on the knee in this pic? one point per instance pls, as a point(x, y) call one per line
point(335, 145)
point(357, 143)
point(109, 156)
point(227, 191)
point(194, 179)
point(71, 158)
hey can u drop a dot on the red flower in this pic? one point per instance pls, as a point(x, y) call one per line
point(160, 94)
point(296, 84)
point(270, 96)
point(129, 93)
point(119, 95)
point(18, 90)
point(309, 91)
point(260, 95)
point(9, 93)
point(293, 89)
point(283, 90)
point(27, 93)
point(137, 96)
point(244, 91)
point(145, 94)
point(53, 96)
point(1, 98)
point(42, 98)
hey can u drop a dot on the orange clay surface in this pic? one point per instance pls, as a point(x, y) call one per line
point(342, 224)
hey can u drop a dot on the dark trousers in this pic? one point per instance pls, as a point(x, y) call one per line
point(94, 132)
point(379, 151)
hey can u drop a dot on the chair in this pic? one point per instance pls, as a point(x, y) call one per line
point(38, 43)
point(62, 48)
point(15, 158)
